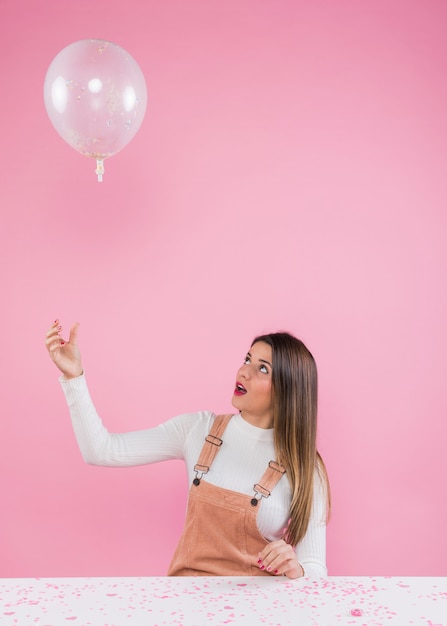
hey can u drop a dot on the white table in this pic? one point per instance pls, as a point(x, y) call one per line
point(264, 601)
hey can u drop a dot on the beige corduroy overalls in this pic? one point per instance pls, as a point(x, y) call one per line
point(221, 537)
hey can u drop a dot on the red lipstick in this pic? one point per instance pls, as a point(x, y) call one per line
point(239, 389)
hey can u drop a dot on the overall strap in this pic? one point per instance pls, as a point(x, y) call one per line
point(211, 446)
point(269, 480)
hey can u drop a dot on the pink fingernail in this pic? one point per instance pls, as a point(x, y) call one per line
point(262, 566)
point(269, 568)
point(62, 343)
point(276, 571)
point(259, 561)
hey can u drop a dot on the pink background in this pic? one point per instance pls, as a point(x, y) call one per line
point(290, 174)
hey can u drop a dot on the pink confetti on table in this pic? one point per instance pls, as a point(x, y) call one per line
point(200, 601)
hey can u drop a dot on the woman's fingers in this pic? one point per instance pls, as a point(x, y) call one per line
point(65, 354)
point(54, 329)
point(53, 334)
point(74, 334)
point(53, 339)
point(279, 557)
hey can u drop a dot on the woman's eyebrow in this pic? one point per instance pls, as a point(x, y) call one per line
point(261, 360)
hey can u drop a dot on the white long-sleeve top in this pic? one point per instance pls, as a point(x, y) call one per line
point(240, 463)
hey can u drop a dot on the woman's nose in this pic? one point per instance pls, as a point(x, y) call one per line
point(244, 371)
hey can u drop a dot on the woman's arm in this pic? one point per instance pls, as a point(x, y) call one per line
point(100, 447)
point(311, 551)
point(97, 445)
point(309, 556)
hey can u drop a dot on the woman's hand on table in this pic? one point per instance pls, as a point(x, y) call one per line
point(279, 558)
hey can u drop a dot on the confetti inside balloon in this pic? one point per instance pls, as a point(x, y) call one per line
point(95, 96)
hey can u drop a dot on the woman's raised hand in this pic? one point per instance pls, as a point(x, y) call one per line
point(65, 354)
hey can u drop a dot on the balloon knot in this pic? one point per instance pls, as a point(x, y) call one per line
point(99, 169)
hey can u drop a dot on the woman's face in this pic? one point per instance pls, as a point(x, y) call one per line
point(252, 395)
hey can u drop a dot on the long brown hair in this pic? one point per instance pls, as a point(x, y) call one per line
point(295, 403)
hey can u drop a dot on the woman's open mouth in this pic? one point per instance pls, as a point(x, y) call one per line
point(239, 390)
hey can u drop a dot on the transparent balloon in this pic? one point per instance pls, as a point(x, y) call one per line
point(95, 96)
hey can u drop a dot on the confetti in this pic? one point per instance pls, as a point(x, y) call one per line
point(200, 601)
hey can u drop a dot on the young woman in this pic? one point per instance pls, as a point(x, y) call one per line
point(259, 495)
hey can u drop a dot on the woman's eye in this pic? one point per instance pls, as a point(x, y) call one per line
point(263, 369)
point(246, 360)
